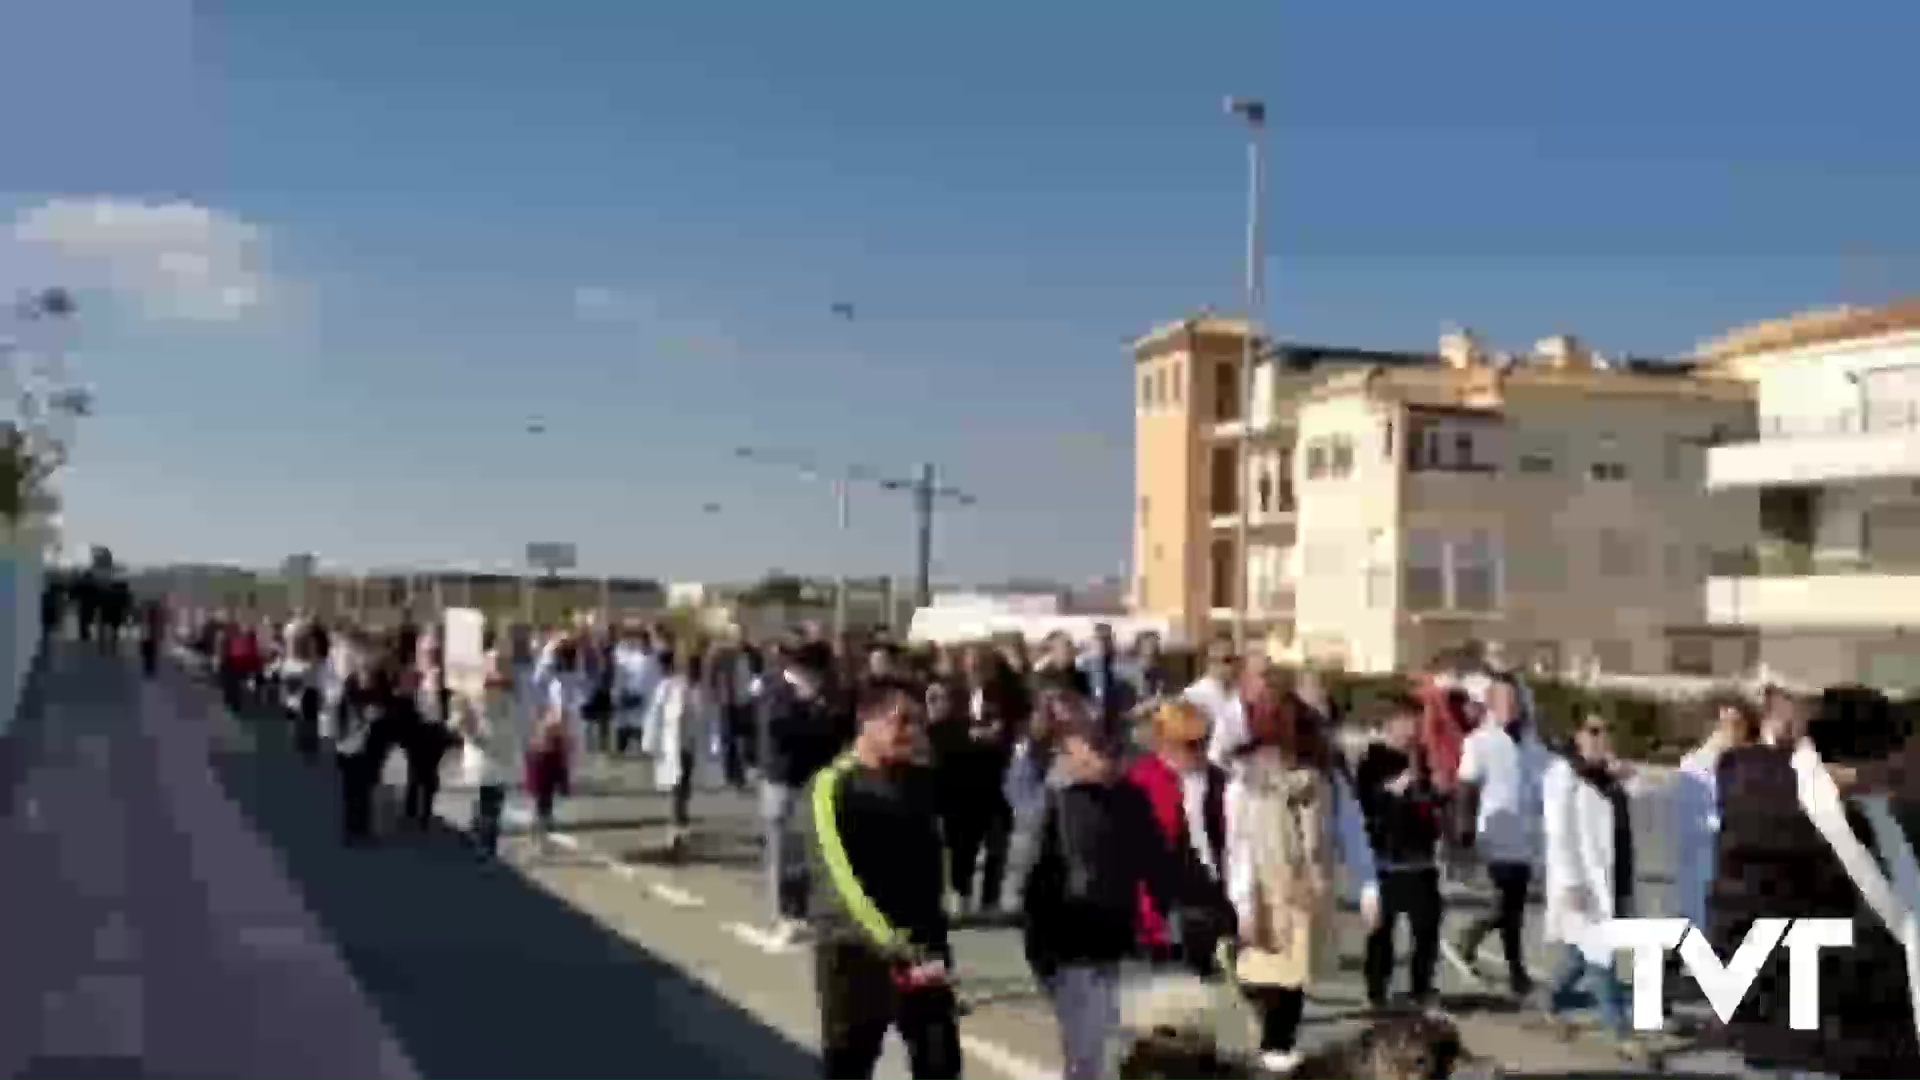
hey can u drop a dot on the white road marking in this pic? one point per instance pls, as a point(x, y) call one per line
point(758, 938)
point(674, 895)
point(565, 840)
point(1005, 1061)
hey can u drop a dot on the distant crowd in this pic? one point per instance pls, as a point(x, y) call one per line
point(1208, 829)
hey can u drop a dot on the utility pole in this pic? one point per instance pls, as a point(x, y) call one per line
point(923, 510)
point(1254, 112)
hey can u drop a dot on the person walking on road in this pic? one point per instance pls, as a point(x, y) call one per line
point(802, 730)
point(997, 709)
point(636, 675)
point(679, 723)
point(878, 898)
point(427, 734)
point(1696, 805)
point(1187, 794)
point(1081, 899)
point(1501, 765)
point(1589, 878)
point(153, 634)
point(365, 735)
point(1292, 824)
point(494, 742)
point(558, 738)
point(1405, 819)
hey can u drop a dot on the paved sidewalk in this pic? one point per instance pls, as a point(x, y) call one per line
point(148, 930)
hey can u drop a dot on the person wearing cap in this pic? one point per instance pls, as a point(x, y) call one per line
point(1082, 894)
point(878, 896)
point(1187, 794)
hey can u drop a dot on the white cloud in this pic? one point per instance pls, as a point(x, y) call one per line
point(671, 333)
point(169, 260)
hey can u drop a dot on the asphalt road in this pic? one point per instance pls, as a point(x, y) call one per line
point(178, 904)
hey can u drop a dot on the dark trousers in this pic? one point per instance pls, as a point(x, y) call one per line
point(150, 656)
point(1414, 894)
point(359, 775)
point(683, 791)
point(978, 831)
point(306, 724)
point(624, 737)
point(859, 1002)
point(425, 745)
point(1510, 883)
point(490, 800)
point(1278, 1009)
point(738, 744)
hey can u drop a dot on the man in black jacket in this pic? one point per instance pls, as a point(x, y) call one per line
point(1403, 813)
point(879, 897)
point(803, 727)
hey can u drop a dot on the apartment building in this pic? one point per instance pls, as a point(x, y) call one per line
point(1835, 465)
point(1404, 503)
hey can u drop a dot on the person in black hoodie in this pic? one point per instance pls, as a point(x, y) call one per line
point(1404, 815)
point(1082, 896)
point(881, 953)
point(802, 729)
point(1774, 862)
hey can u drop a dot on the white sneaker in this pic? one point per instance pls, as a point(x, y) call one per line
point(1280, 1062)
point(788, 932)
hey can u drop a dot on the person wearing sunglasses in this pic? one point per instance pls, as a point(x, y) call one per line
point(1589, 879)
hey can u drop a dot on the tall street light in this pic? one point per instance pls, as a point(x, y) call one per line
point(1254, 113)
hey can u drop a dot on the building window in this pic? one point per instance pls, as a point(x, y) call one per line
point(1340, 457)
point(1536, 464)
point(1386, 444)
point(1437, 447)
point(1146, 391)
point(1179, 372)
point(1226, 392)
point(1224, 494)
point(1475, 574)
point(1608, 466)
point(1426, 572)
point(1160, 386)
point(1264, 488)
point(1223, 575)
point(1619, 554)
point(1316, 460)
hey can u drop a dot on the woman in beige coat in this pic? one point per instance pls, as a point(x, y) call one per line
point(1292, 824)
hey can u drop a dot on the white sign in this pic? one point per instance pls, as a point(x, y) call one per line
point(1726, 984)
point(464, 637)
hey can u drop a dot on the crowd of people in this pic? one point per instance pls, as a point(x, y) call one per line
point(1121, 819)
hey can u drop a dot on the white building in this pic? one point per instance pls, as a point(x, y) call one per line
point(1835, 583)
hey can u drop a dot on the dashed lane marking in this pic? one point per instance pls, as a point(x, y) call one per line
point(1005, 1061)
point(758, 938)
point(565, 840)
point(674, 895)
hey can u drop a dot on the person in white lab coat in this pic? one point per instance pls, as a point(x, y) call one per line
point(1589, 876)
point(679, 722)
point(636, 675)
point(1216, 693)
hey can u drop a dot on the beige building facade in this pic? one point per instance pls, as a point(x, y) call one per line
point(1835, 466)
point(1405, 503)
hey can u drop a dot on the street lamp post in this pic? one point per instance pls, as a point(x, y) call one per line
point(1254, 113)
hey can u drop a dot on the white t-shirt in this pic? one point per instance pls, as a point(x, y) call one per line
point(1509, 775)
point(568, 691)
point(1226, 720)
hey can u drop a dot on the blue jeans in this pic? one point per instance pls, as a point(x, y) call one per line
point(1607, 992)
point(786, 867)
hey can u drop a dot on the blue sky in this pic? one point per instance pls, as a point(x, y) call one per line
point(392, 210)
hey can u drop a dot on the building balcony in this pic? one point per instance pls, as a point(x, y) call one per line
point(1819, 450)
point(1280, 512)
point(1267, 605)
point(1262, 429)
point(1868, 598)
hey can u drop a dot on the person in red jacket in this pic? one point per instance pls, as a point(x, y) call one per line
point(240, 663)
point(1187, 795)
